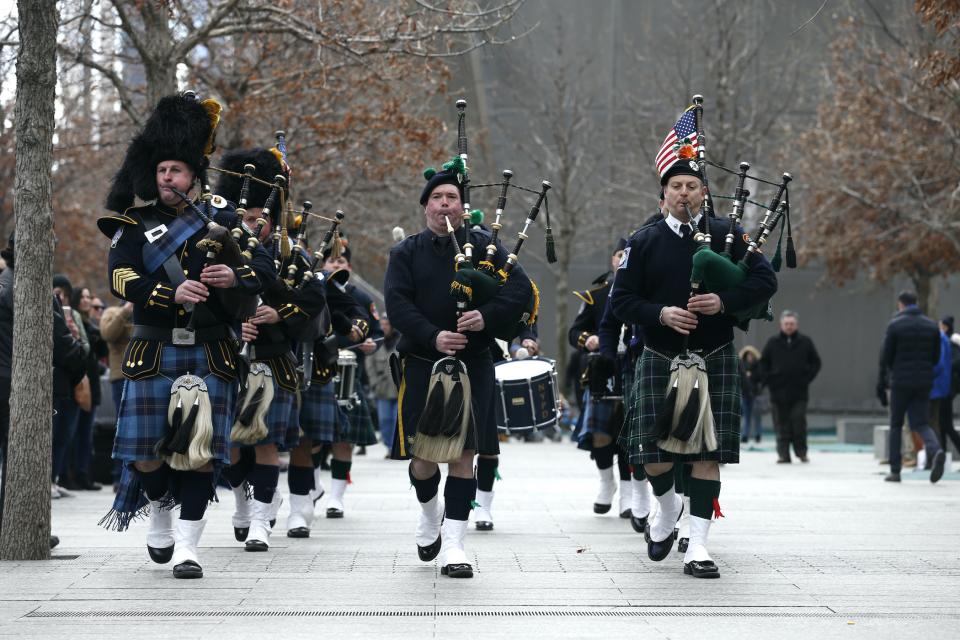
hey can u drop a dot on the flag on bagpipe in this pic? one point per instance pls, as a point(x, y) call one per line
point(680, 143)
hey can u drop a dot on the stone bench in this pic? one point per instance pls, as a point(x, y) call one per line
point(881, 443)
point(856, 430)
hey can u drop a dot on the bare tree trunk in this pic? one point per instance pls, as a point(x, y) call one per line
point(160, 72)
point(926, 292)
point(25, 534)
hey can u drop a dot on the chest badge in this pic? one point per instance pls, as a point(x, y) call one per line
point(155, 234)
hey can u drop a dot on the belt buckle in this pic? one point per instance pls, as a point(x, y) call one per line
point(184, 337)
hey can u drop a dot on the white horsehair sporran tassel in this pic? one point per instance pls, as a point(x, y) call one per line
point(251, 426)
point(689, 389)
point(188, 394)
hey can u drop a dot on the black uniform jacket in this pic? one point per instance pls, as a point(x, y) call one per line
point(152, 294)
point(593, 302)
point(417, 290)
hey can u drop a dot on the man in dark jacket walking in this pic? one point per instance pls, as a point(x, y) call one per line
point(911, 349)
point(789, 364)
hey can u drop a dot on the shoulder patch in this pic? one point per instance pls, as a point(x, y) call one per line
point(624, 259)
point(116, 237)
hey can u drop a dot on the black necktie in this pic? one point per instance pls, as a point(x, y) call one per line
point(685, 231)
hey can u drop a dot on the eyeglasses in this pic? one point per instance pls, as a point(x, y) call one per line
point(99, 307)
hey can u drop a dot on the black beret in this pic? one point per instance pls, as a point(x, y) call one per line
point(267, 167)
point(682, 168)
point(438, 178)
point(621, 245)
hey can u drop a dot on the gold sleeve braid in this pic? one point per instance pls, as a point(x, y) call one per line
point(121, 277)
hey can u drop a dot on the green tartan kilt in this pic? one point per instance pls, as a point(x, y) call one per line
point(651, 377)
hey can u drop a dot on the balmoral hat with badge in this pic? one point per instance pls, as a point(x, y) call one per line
point(182, 128)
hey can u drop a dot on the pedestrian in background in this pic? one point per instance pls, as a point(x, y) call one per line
point(382, 385)
point(789, 364)
point(911, 350)
point(116, 328)
point(944, 419)
point(751, 387)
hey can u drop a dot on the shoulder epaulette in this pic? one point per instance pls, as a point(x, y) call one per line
point(108, 225)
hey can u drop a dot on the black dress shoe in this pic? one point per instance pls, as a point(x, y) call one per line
point(782, 461)
point(657, 551)
point(298, 532)
point(334, 513)
point(682, 544)
point(698, 569)
point(601, 508)
point(160, 555)
point(626, 513)
point(639, 524)
point(256, 545)
point(936, 471)
point(892, 477)
point(462, 570)
point(240, 533)
point(430, 551)
point(54, 541)
point(187, 570)
point(484, 525)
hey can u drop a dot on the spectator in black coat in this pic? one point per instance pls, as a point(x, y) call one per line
point(750, 386)
point(789, 364)
point(911, 349)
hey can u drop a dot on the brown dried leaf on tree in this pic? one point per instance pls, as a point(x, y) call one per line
point(882, 162)
point(943, 63)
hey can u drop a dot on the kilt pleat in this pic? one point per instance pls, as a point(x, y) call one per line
point(142, 419)
point(320, 413)
point(599, 416)
point(283, 420)
point(651, 377)
point(358, 427)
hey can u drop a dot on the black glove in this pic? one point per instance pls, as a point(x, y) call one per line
point(341, 323)
point(882, 395)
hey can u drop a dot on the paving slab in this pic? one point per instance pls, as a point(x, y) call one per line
point(825, 550)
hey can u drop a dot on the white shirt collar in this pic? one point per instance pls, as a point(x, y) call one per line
point(675, 224)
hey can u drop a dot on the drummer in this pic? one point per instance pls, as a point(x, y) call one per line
point(601, 418)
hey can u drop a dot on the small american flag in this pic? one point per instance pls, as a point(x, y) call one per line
point(685, 128)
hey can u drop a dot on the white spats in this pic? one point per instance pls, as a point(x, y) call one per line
point(431, 516)
point(641, 498)
point(260, 517)
point(451, 546)
point(301, 512)
point(697, 549)
point(317, 492)
point(666, 519)
point(186, 534)
point(241, 510)
point(160, 534)
point(626, 498)
point(335, 501)
point(275, 505)
point(482, 514)
point(683, 525)
point(608, 488)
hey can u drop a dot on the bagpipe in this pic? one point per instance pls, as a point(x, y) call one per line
point(686, 425)
point(474, 285)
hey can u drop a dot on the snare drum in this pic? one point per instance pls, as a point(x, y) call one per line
point(527, 391)
point(345, 380)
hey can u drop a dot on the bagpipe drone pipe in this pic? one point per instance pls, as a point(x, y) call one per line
point(475, 284)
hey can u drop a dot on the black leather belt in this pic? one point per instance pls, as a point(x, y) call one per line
point(182, 337)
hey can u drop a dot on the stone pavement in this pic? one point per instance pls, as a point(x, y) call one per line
point(824, 550)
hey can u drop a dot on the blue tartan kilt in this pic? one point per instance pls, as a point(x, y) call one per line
point(319, 413)
point(652, 376)
point(599, 416)
point(142, 418)
point(358, 427)
point(283, 420)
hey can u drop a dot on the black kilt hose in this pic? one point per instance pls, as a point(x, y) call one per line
point(652, 377)
point(412, 397)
